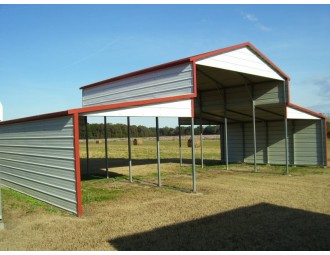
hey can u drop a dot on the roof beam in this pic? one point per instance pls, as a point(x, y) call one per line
point(268, 111)
point(244, 114)
point(219, 116)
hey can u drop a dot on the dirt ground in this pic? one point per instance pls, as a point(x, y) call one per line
point(232, 211)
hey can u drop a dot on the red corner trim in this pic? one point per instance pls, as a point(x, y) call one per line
point(77, 163)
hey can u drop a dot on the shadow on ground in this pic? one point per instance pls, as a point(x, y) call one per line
point(260, 227)
point(97, 165)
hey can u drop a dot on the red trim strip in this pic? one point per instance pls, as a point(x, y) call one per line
point(128, 104)
point(37, 117)
point(307, 111)
point(143, 71)
point(77, 163)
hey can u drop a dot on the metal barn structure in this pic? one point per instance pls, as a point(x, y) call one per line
point(236, 87)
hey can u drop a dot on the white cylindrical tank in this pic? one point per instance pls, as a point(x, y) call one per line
point(1, 112)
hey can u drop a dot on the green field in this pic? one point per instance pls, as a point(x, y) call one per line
point(233, 209)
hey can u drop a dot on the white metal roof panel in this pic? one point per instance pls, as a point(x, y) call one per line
point(293, 113)
point(181, 108)
point(241, 60)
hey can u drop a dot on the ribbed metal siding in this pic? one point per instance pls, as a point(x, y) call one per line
point(37, 158)
point(308, 143)
point(172, 81)
point(261, 156)
point(235, 143)
point(269, 93)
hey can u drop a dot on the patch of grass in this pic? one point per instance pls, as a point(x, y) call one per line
point(15, 200)
point(93, 194)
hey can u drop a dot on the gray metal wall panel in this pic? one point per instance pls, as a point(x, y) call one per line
point(238, 98)
point(308, 142)
point(37, 159)
point(261, 156)
point(235, 143)
point(277, 143)
point(172, 81)
point(269, 93)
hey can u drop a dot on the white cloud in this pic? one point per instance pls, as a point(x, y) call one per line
point(254, 20)
point(250, 17)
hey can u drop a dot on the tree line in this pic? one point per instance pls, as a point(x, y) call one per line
point(96, 131)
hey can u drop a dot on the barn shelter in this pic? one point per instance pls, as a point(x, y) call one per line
point(236, 87)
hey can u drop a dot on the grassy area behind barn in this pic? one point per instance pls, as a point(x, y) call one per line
point(232, 210)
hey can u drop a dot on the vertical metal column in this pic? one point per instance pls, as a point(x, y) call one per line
point(226, 126)
point(286, 146)
point(286, 132)
point(158, 152)
point(293, 141)
point(254, 136)
point(129, 149)
point(201, 140)
point(322, 142)
point(267, 142)
point(106, 146)
point(193, 155)
point(87, 147)
point(180, 145)
point(1, 223)
point(221, 142)
point(226, 141)
point(243, 141)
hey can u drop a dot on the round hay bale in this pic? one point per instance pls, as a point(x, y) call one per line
point(197, 143)
point(98, 141)
point(138, 141)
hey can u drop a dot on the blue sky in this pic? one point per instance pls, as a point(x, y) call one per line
point(47, 52)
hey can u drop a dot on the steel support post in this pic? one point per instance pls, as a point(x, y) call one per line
point(267, 142)
point(226, 142)
point(87, 147)
point(201, 140)
point(129, 149)
point(158, 152)
point(180, 145)
point(286, 146)
point(193, 155)
point(243, 142)
point(106, 146)
point(222, 137)
point(1, 223)
point(254, 137)
point(286, 132)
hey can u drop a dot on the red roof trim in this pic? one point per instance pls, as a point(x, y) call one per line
point(36, 117)
point(98, 108)
point(297, 107)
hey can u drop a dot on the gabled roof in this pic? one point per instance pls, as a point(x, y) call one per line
point(194, 59)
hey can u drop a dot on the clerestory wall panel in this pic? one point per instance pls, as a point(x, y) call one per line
point(167, 82)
